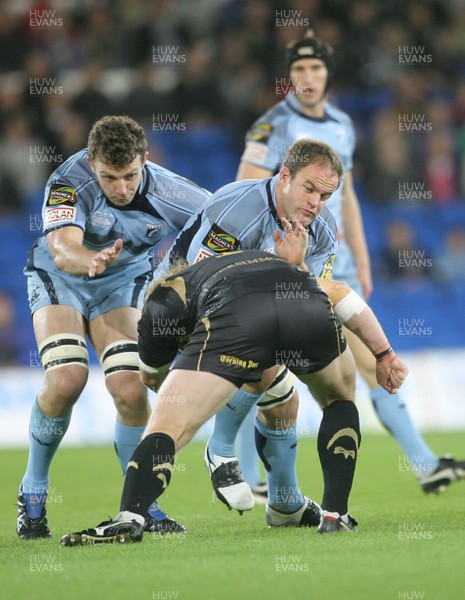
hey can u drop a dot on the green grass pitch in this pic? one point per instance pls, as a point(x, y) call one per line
point(408, 546)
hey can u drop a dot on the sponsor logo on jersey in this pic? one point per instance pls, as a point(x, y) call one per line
point(60, 214)
point(201, 254)
point(260, 132)
point(151, 229)
point(255, 152)
point(102, 219)
point(219, 240)
point(61, 194)
point(328, 268)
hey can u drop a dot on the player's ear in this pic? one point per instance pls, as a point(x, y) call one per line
point(91, 164)
point(145, 157)
point(284, 175)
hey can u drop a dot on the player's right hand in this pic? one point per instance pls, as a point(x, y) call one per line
point(293, 245)
point(105, 258)
point(391, 373)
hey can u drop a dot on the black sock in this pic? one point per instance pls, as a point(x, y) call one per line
point(148, 473)
point(338, 443)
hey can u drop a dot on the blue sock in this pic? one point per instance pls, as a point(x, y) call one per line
point(45, 435)
point(227, 423)
point(247, 455)
point(278, 451)
point(394, 415)
point(156, 512)
point(126, 441)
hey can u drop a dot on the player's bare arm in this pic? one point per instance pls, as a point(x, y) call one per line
point(358, 317)
point(72, 257)
point(354, 234)
point(249, 171)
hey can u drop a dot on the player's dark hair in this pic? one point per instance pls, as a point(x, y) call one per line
point(305, 152)
point(116, 141)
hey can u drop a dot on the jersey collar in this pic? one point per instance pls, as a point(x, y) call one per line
point(293, 104)
point(271, 195)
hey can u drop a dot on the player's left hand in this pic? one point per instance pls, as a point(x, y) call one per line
point(105, 258)
point(365, 280)
point(293, 245)
point(391, 373)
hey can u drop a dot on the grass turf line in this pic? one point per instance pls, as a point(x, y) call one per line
point(409, 545)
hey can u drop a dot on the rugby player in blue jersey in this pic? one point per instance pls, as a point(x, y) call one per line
point(249, 215)
point(104, 209)
point(306, 112)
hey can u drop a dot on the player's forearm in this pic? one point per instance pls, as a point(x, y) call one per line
point(73, 258)
point(353, 231)
point(367, 327)
point(353, 312)
point(358, 317)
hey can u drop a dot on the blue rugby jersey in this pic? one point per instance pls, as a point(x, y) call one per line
point(163, 204)
point(242, 216)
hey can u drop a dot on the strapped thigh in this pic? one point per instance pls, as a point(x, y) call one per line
point(280, 391)
point(62, 350)
point(120, 356)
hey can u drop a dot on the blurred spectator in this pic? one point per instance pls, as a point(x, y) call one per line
point(156, 31)
point(14, 45)
point(387, 159)
point(73, 137)
point(358, 44)
point(147, 98)
point(449, 262)
point(401, 257)
point(90, 103)
point(21, 155)
point(440, 167)
point(41, 83)
point(10, 340)
point(197, 97)
point(440, 161)
point(104, 38)
point(11, 201)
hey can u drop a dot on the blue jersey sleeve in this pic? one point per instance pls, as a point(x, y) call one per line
point(66, 200)
point(267, 141)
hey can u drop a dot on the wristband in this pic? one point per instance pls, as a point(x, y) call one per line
point(383, 353)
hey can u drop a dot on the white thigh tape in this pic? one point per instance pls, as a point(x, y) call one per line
point(279, 391)
point(120, 356)
point(62, 350)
